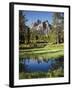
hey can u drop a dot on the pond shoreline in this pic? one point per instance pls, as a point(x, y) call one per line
point(53, 54)
point(49, 51)
point(41, 68)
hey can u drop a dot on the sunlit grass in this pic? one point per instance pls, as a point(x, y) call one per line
point(43, 55)
point(49, 51)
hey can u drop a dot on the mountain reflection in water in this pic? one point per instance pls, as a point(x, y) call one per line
point(40, 65)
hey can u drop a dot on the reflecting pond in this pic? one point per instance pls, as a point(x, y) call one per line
point(40, 64)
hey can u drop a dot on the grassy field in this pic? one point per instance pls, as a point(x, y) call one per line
point(49, 51)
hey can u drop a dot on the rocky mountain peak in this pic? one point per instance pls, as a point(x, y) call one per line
point(41, 27)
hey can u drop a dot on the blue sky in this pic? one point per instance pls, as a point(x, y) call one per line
point(33, 16)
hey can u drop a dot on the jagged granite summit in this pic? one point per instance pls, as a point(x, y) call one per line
point(41, 27)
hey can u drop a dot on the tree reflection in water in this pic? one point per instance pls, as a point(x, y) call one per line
point(40, 64)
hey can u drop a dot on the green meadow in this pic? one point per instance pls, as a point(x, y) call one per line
point(49, 51)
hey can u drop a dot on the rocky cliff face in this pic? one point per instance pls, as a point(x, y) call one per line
point(42, 27)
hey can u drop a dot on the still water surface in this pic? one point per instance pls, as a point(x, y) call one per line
point(43, 65)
